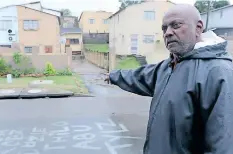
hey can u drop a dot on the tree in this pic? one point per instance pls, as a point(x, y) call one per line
point(125, 3)
point(66, 12)
point(76, 23)
point(202, 6)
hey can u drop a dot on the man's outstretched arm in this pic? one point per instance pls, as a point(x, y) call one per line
point(140, 81)
point(217, 109)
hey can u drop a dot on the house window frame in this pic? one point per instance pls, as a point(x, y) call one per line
point(31, 25)
point(106, 21)
point(148, 16)
point(148, 39)
point(28, 47)
point(134, 43)
point(74, 41)
point(91, 20)
point(48, 47)
point(5, 25)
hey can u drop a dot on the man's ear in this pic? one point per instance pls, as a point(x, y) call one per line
point(199, 28)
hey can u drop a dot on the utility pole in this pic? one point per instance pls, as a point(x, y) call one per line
point(208, 15)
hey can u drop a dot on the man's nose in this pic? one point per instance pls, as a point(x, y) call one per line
point(169, 32)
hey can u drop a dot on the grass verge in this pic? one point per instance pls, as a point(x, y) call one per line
point(97, 47)
point(70, 83)
point(128, 63)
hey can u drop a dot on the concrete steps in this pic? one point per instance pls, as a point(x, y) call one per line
point(141, 59)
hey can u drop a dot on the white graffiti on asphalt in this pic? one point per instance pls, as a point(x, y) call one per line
point(63, 134)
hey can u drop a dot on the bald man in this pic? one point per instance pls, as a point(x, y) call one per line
point(192, 106)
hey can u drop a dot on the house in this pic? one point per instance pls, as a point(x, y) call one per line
point(39, 29)
point(26, 27)
point(69, 21)
point(94, 21)
point(95, 26)
point(136, 30)
point(72, 38)
point(220, 20)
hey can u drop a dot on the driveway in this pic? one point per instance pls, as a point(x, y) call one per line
point(94, 80)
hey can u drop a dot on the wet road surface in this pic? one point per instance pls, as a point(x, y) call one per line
point(85, 125)
point(93, 78)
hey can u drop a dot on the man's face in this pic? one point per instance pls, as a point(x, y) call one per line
point(179, 33)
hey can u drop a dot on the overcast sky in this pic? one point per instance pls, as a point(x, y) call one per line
point(77, 6)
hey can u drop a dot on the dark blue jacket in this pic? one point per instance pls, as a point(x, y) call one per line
point(192, 107)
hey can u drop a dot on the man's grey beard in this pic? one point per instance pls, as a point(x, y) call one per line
point(183, 48)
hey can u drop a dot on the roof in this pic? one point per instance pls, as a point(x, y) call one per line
point(51, 9)
point(69, 16)
point(41, 6)
point(30, 8)
point(70, 31)
point(37, 10)
point(92, 11)
point(221, 8)
point(31, 3)
point(119, 11)
point(23, 5)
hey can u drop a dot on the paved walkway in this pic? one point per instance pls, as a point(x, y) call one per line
point(86, 68)
point(94, 79)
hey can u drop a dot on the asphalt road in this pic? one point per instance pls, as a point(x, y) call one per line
point(82, 125)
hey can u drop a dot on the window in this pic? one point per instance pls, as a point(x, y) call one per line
point(48, 49)
point(5, 25)
point(134, 43)
point(105, 21)
point(28, 49)
point(31, 24)
point(91, 21)
point(149, 15)
point(74, 41)
point(148, 38)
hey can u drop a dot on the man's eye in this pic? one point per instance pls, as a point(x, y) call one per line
point(176, 25)
point(164, 29)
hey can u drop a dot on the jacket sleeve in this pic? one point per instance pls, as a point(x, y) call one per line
point(140, 81)
point(217, 108)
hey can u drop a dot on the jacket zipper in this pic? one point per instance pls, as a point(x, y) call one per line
point(153, 113)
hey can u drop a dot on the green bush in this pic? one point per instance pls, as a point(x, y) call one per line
point(23, 63)
point(66, 72)
point(16, 73)
point(49, 69)
point(29, 71)
point(17, 57)
point(4, 67)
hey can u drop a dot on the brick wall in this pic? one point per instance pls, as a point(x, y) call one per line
point(38, 60)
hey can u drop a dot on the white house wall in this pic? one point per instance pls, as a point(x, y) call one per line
point(220, 18)
point(8, 14)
